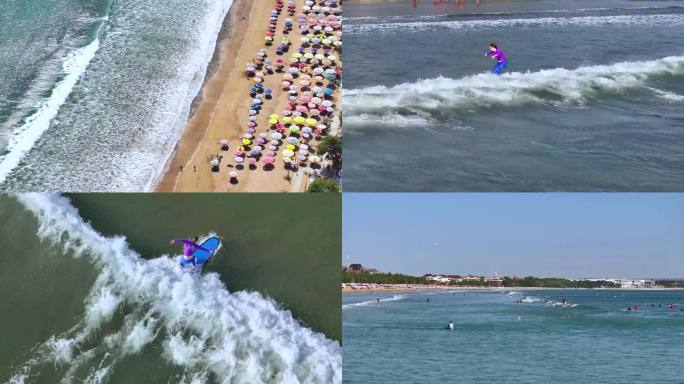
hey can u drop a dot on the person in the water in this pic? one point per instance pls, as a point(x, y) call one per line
point(450, 326)
point(497, 54)
point(189, 247)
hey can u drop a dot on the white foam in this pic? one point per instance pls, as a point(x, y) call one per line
point(549, 86)
point(24, 137)
point(580, 21)
point(529, 299)
point(208, 332)
point(190, 84)
point(669, 96)
point(370, 302)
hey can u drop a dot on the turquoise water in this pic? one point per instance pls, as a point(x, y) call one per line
point(94, 94)
point(497, 339)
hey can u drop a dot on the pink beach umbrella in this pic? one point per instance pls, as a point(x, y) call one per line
point(267, 160)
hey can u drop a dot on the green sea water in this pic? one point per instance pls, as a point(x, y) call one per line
point(87, 304)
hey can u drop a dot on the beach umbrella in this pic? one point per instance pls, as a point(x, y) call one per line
point(303, 152)
point(261, 141)
point(287, 160)
point(267, 160)
point(307, 130)
point(288, 77)
point(299, 120)
point(329, 91)
point(246, 142)
point(223, 142)
point(285, 84)
point(251, 130)
point(239, 160)
point(315, 159)
point(238, 153)
point(292, 140)
point(291, 147)
point(311, 122)
point(232, 174)
point(304, 146)
point(270, 154)
point(276, 136)
point(321, 127)
point(327, 103)
point(294, 129)
point(288, 153)
point(272, 148)
point(273, 121)
point(247, 136)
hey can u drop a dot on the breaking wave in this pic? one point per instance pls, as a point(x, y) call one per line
point(198, 326)
point(424, 100)
point(580, 21)
point(370, 302)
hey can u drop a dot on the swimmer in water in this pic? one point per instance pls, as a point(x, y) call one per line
point(497, 54)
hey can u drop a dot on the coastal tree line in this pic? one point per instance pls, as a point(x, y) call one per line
point(529, 281)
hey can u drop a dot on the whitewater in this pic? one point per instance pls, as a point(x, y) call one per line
point(105, 108)
point(207, 332)
point(410, 103)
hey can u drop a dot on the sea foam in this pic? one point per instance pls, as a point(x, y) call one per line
point(425, 99)
point(580, 21)
point(208, 332)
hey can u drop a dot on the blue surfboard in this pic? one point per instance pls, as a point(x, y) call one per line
point(202, 257)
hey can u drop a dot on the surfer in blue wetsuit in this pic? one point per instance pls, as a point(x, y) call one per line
point(189, 247)
point(497, 54)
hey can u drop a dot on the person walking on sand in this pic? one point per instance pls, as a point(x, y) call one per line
point(497, 54)
point(189, 247)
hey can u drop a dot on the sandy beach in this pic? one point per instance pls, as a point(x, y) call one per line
point(221, 111)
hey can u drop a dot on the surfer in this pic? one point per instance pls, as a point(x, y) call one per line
point(497, 54)
point(450, 326)
point(189, 247)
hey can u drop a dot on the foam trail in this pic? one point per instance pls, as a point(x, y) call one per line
point(580, 21)
point(208, 332)
point(442, 95)
point(24, 137)
point(370, 302)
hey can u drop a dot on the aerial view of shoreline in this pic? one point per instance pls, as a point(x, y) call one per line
point(296, 72)
point(108, 97)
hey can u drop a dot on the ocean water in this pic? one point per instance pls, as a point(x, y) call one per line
point(83, 306)
point(94, 95)
point(497, 339)
point(593, 97)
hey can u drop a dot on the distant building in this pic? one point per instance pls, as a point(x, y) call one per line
point(358, 268)
point(496, 281)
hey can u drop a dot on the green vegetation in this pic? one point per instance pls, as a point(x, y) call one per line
point(674, 283)
point(330, 145)
point(529, 281)
point(323, 185)
point(380, 278)
point(553, 282)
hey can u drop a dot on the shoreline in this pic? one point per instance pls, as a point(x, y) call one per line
point(232, 32)
point(218, 113)
point(407, 288)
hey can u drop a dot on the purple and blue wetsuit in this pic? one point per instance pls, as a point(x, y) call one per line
point(501, 61)
point(189, 248)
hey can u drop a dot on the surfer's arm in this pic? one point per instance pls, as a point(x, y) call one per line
point(181, 241)
point(197, 246)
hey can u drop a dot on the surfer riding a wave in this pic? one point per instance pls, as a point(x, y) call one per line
point(501, 61)
point(189, 248)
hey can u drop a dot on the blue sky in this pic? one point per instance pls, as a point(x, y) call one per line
point(558, 234)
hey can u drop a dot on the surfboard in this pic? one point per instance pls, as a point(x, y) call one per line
point(202, 257)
